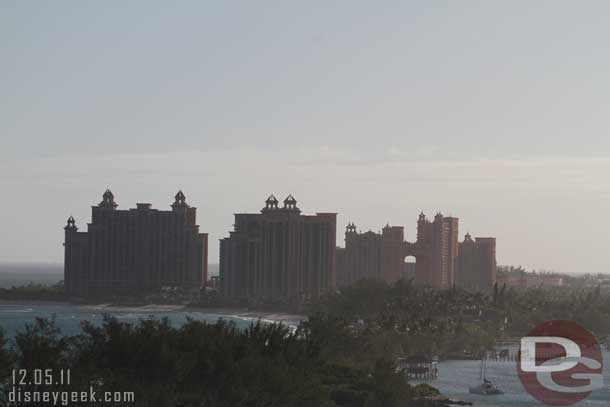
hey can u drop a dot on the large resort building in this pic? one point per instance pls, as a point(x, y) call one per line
point(371, 255)
point(135, 250)
point(279, 254)
point(441, 261)
point(476, 263)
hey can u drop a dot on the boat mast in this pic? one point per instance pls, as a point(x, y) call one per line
point(483, 367)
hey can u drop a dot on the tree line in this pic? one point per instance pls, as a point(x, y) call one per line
point(201, 364)
point(343, 354)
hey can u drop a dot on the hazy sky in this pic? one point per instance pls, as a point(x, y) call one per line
point(495, 112)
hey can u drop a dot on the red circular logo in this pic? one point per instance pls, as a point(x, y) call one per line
point(560, 363)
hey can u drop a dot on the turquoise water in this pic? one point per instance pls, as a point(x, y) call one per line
point(14, 317)
point(456, 376)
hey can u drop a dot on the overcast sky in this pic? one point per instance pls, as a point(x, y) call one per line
point(495, 112)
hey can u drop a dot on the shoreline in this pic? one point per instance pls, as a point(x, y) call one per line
point(275, 316)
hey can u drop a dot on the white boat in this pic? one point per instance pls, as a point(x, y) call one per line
point(487, 388)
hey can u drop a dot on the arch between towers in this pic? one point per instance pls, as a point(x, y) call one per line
point(422, 261)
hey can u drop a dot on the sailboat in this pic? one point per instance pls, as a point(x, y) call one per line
point(487, 388)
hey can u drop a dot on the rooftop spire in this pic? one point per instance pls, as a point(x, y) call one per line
point(71, 224)
point(108, 200)
point(179, 201)
point(271, 203)
point(290, 203)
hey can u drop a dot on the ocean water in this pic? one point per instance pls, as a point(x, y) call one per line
point(68, 317)
point(456, 376)
point(18, 274)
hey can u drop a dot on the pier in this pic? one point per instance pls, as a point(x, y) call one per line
point(418, 367)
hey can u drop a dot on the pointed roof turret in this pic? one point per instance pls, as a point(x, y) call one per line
point(271, 200)
point(180, 198)
point(290, 203)
point(71, 224)
point(108, 200)
point(179, 201)
point(270, 203)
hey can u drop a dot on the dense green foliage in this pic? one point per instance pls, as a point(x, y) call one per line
point(406, 320)
point(202, 364)
point(34, 292)
point(6, 358)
